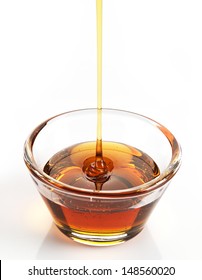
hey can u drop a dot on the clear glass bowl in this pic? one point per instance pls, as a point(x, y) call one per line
point(104, 217)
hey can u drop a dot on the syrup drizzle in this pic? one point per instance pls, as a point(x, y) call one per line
point(96, 169)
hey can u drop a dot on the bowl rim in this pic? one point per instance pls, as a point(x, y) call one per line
point(149, 186)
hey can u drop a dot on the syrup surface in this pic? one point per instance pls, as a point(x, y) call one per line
point(126, 166)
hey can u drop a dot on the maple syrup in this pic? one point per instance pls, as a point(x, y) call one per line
point(128, 167)
point(100, 166)
point(95, 168)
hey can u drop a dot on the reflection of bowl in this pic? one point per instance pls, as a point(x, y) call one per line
point(109, 216)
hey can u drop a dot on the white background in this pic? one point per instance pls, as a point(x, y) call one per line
point(152, 64)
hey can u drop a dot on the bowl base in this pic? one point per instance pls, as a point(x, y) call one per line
point(103, 239)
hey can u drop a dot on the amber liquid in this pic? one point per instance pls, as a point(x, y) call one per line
point(128, 167)
point(96, 168)
point(100, 166)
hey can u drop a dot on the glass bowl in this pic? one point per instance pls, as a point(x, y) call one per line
point(112, 215)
